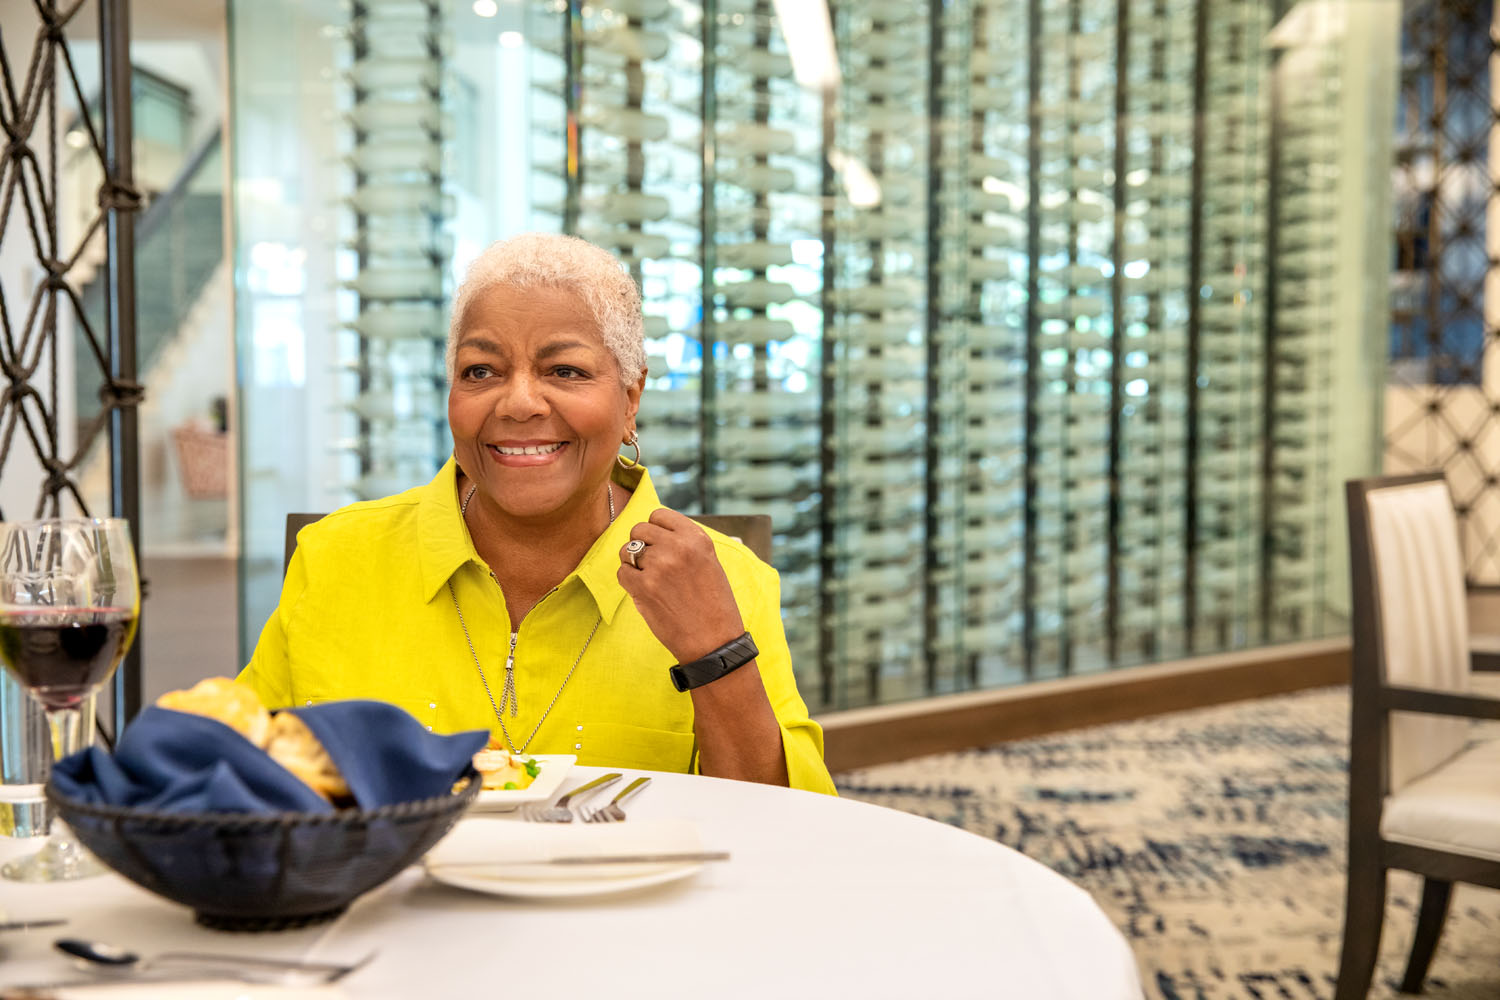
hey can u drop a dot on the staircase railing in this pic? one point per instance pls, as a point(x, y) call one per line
point(179, 244)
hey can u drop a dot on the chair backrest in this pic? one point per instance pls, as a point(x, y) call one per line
point(752, 529)
point(294, 524)
point(1410, 614)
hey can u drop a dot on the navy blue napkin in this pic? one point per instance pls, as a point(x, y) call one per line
point(173, 761)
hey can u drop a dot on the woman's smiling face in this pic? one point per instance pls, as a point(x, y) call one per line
point(538, 407)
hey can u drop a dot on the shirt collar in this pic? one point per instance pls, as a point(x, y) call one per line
point(444, 545)
point(443, 542)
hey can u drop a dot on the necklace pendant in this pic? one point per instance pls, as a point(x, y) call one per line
point(509, 692)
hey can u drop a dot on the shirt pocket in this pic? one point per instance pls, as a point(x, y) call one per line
point(610, 744)
point(421, 707)
point(304, 695)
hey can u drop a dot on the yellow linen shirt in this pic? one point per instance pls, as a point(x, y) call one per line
point(365, 612)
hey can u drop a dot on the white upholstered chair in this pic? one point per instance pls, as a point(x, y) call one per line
point(1424, 794)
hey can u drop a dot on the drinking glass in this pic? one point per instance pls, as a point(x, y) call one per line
point(69, 601)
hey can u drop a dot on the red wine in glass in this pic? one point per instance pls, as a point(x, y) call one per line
point(69, 599)
point(63, 655)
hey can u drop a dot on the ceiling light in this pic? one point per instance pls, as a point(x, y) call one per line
point(512, 39)
point(486, 8)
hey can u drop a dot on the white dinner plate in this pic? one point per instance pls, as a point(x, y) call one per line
point(562, 881)
point(552, 769)
point(504, 858)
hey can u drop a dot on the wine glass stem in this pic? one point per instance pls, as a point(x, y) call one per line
point(62, 857)
point(67, 731)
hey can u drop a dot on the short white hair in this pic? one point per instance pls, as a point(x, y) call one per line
point(551, 260)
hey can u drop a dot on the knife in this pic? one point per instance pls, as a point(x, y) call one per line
point(628, 859)
point(26, 925)
point(591, 859)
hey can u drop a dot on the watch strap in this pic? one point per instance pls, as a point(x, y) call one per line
point(726, 659)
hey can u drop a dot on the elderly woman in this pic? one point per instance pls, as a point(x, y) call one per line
point(537, 587)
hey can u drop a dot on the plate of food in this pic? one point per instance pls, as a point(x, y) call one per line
point(512, 780)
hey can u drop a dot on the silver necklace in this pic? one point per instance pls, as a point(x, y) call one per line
point(508, 693)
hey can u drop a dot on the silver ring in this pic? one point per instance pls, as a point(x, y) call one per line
point(633, 548)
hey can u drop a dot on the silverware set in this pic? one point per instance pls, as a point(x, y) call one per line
point(251, 968)
point(560, 811)
point(612, 813)
point(110, 962)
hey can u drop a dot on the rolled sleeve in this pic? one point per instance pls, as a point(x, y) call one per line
point(801, 737)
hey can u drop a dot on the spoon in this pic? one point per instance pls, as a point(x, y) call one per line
point(242, 966)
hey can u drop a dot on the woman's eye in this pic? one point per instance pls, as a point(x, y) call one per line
point(568, 371)
point(477, 372)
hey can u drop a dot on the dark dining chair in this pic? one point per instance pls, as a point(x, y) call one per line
point(1424, 794)
point(754, 530)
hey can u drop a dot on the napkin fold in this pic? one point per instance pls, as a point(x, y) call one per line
point(171, 761)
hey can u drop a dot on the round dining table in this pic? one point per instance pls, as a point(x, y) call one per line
point(818, 896)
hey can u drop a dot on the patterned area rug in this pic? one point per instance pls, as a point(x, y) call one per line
point(1213, 838)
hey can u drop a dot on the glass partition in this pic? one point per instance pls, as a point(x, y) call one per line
point(1032, 334)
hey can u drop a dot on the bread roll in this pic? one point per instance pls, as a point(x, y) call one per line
point(283, 736)
point(232, 703)
point(294, 747)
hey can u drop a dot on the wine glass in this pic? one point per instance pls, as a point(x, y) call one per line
point(69, 600)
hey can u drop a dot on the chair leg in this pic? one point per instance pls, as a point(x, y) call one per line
point(1435, 896)
point(1364, 911)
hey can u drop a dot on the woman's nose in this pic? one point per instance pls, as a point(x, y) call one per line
point(521, 398)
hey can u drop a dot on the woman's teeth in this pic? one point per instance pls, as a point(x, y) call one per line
point(538, 449)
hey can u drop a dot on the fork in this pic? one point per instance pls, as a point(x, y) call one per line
point(559, 812)
point(612, 813)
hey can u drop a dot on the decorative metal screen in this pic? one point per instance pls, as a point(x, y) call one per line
point(41, 308)
point(1443, 407)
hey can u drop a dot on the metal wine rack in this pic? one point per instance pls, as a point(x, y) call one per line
point(1026, 333)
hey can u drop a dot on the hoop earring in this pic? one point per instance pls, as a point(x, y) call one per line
point(634, 442)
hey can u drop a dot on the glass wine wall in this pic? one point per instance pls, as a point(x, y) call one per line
point(992, 331)
point(396, 250)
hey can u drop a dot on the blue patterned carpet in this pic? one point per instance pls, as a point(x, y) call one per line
point(1214, 839)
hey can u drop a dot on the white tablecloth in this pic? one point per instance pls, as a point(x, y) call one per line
point(821, 895)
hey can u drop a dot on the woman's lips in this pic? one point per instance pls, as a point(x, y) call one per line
point(525, 454)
